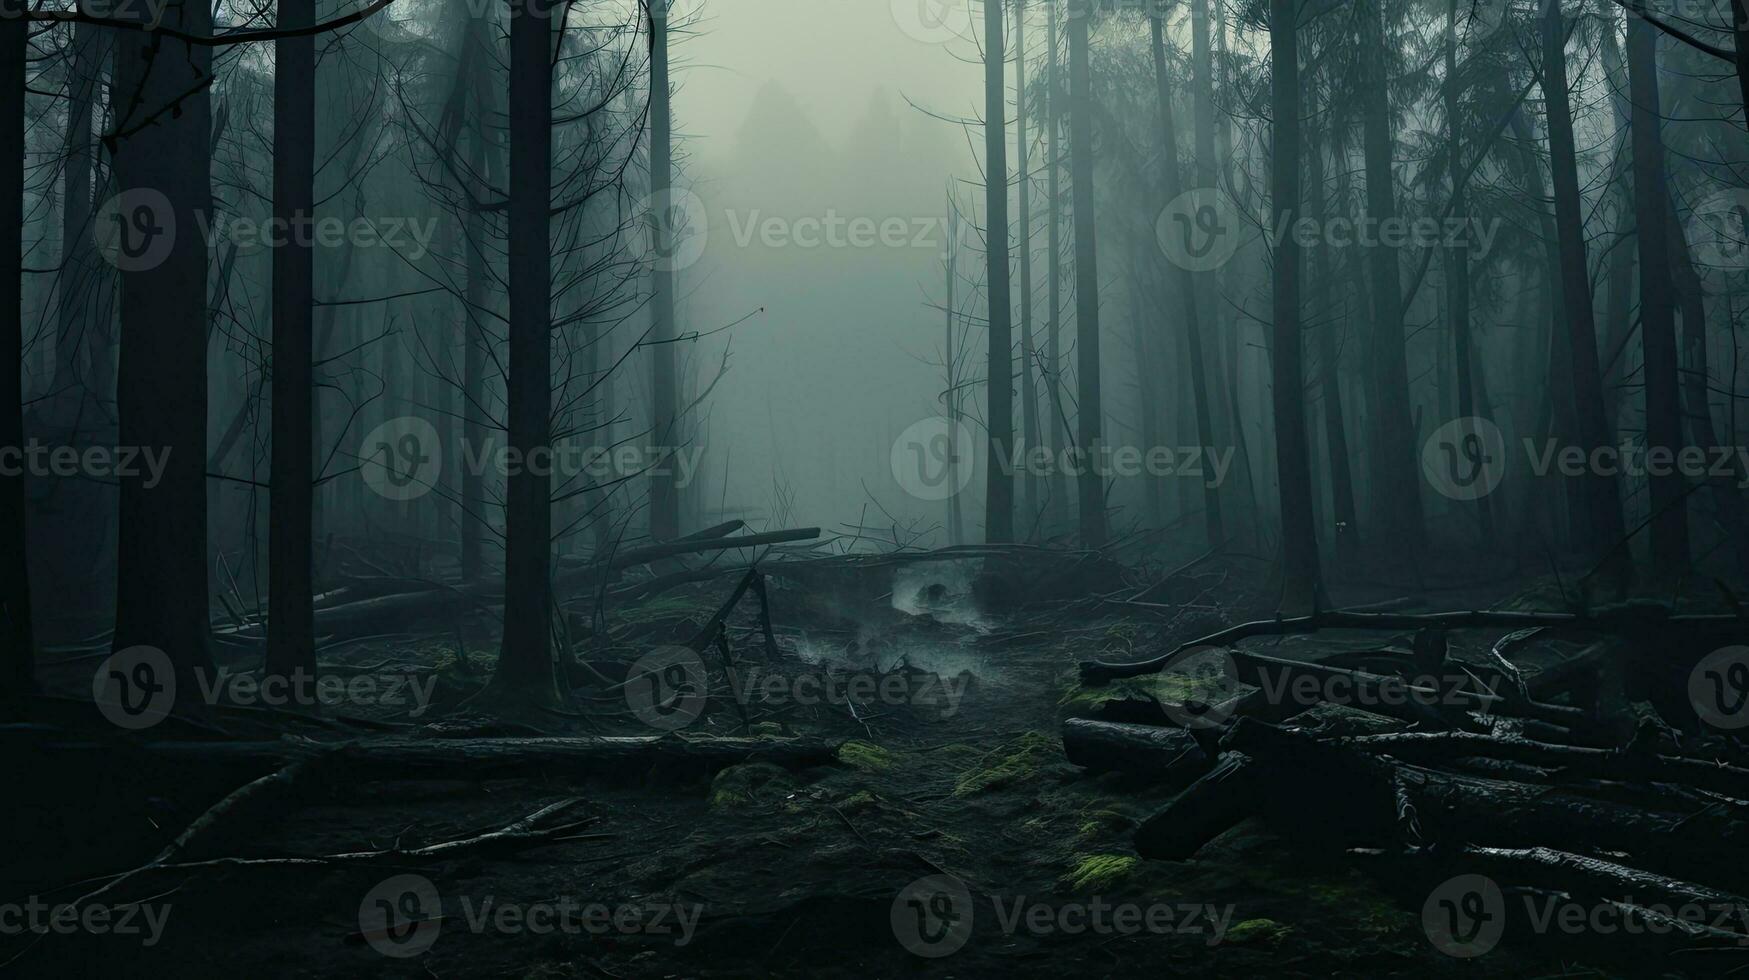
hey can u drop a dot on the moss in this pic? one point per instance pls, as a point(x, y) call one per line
point(661, 608)
point(1258, 931)
point(746, 785)
point(857, 801)
point(1362, 905)
point(866, 756)
point(1100, 871)
point(1200, 681)
point(1102, 823)
point(1014, 761)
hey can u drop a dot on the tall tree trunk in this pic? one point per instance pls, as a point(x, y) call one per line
point(1030, 509)
point(1458, 258)
point(1346, 531)
point(485, 161)
point(1057, 510)
point(17, 647)
point(525, 665)
point(955, 533)
point(664, 491)
point(1089, 411)
point(1219, 386)
point(291, 616)
point(1396, 492)
point(1591, 418)
point(1299, 543)
point(1657, 320)
point(1186, 287)
point(78, 273)
point(1559, 497)
point(1147, 393)
point(162, 152)
point(1727, 493)
point(1740, 21)
point(999, 378)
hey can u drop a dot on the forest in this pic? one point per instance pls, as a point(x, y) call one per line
point(762, 488)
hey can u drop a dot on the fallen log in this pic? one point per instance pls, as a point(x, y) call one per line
point(687, 546)
point(1226, 795)
point(1431, 747)
point(1335, 785)
point(1306, 684)
point(1555, 893)
point(1580, 874)
point(396, 758)
point(1167, 755)
point(533, 830)
point(343, 619)
point(1646, 621)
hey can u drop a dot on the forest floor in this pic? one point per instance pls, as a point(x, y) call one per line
point(758, 869)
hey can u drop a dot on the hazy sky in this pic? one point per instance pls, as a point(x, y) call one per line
point(831, 54)
point(822, 382)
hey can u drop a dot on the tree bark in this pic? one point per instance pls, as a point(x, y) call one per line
point(999, 377)
point(1346, 532)
point(79, 273)
point(1299, 543)
point(1458, 257)
point(1727, 495)
point(1396, 491)
point(1590, 416)
point(1057, 510)
point(1089, 411)
point(664, 492)
point(291, 639)
point(1186, 286)
point(955, 534)
point(1669, 529)
point(162, 152)
point(525, 665)
point(1167, 755)
point(1030, 503)
point(486, 161)
point(17, 647)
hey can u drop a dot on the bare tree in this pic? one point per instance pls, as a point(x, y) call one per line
point(291, 618)
point(17, 646)
point(999, 379)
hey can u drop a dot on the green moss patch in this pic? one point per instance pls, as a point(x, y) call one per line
point(1258, 931)
point(1098, 872)
point(1015, 761)
point(866, 756)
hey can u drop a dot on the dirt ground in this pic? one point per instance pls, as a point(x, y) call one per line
point(956, 781)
